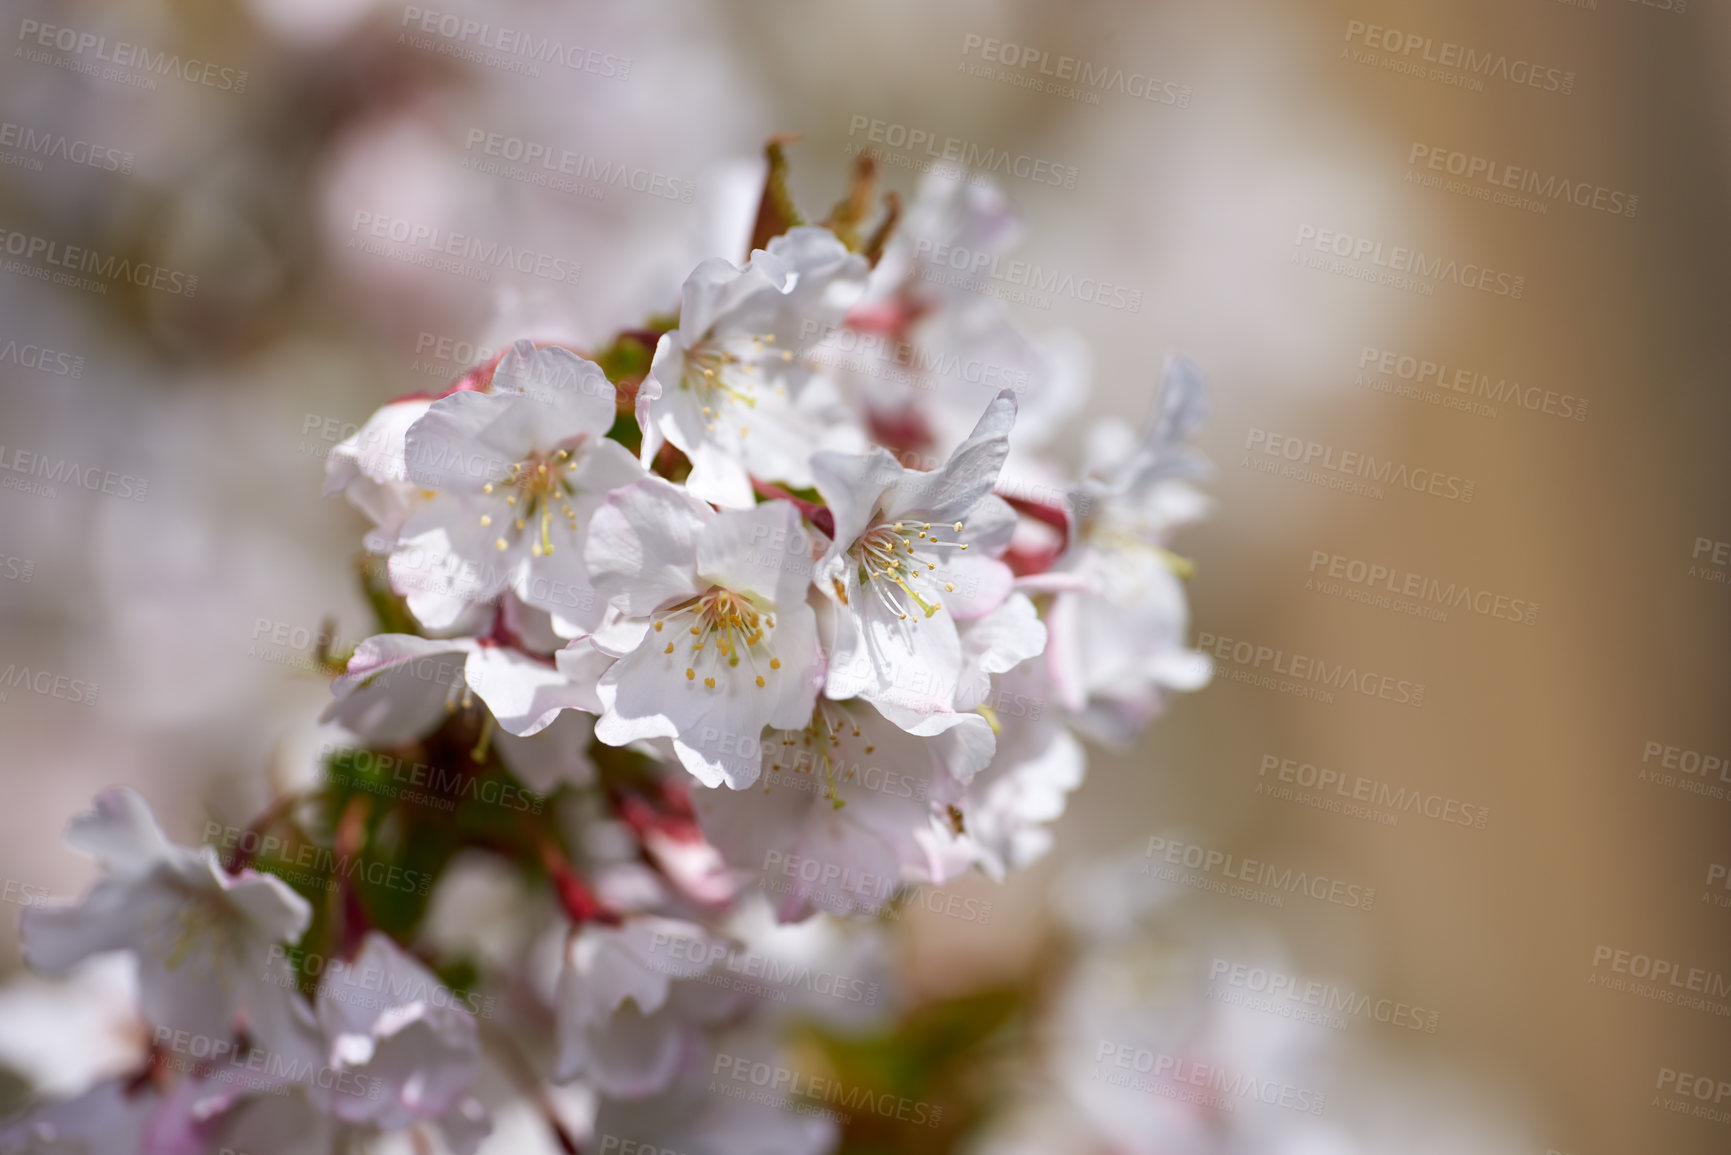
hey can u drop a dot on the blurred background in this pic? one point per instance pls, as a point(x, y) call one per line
point(1254, 197)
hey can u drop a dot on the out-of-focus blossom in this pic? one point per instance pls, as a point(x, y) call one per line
point(203, 938)
point(630, 1013)
point(850, 811)
point(1118, 623)
point(712, 1106)
point(408, 1050)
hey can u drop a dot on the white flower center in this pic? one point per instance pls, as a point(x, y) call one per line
point(200, 926)
point(893, 557)
point(723, 372)
point(1119, 532)
point(725, 628)
point(818, 746)
point(534, 488)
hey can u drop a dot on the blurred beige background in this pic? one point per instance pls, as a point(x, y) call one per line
point(190, 608)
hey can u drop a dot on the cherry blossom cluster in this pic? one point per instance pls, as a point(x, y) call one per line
point(778, 605)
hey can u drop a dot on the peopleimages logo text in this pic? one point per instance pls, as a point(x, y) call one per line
point(39, 143)
point(1357, 788)
point(1255, 872)
point(1350, 463)
point(1327, 997)
point(437, 242)
point(1471, 167)
point(124, 54)
point(1422, 371)
point(59, 471)
point(29, 247)
point(983, 265)
point(1307, 670)
point(1398, 259)
point(1082, 73)
point(513, 42)
point(1375, 579)
point(977, 159)
point(1483, 64)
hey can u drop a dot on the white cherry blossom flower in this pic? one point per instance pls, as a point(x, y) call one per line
point(230, 1104)
point(850, 808)
point(1007, 809)
point(517, 470)
point(1119, 616)
point(203, 938)
point(1000, 816)
point(629, 1011)
point(399, 687)
point(403, 1050)
point(108, 1119)
point(1150, 992)
point(929, 305)
point(717, 640)
point(370, 470)
point(696, 1114)
point(912, 553)
point(725, 385)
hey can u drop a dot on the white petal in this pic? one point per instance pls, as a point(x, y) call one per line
point(981, 584)
point(717, 475)
point(467, 440)
point(853, 487)
point(120, 832)
point(763, 551)
point(57, 936)
point(574, 394)
point(376, 451)
point(642, 546)
point(951, 492)
point(397, 686)
point(557, 756)
point(998, 642)
point(276, 913)
point(524, 694)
